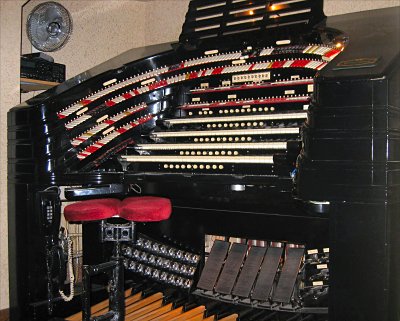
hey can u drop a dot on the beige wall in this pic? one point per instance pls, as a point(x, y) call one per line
point(164, 19)
point(335, 7)
point(102, 29)
point(9, 96)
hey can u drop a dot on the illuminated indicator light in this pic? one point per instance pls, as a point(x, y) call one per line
point(238, 62)
point(80, 112)
point(102, 118)
point(282, 42)
point(109, 82)
point(108, 130)
point(339, 45)
point(251, 12)
point(211, 52)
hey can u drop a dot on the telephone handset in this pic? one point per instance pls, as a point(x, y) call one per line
point(49, 204)
point(50, 212)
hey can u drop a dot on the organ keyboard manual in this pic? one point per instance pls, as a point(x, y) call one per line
point(273, 130)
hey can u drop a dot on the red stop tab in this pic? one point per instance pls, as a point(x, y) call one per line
point(217, 71)
point(110, 103)
point(85, 102)
point(278, 64)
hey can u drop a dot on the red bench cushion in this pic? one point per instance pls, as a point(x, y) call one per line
point(92, 210)
point(146, 209)
point(137, 209)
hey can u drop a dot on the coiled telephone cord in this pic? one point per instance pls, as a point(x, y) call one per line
point(71, 274)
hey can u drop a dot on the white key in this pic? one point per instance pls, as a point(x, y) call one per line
point(214, 146)
point(263, 131)
point(177, 121)
point(201, 159)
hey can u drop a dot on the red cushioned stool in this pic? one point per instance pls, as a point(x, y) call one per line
point(131, 209)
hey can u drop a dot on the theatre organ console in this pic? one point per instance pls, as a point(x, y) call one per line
point(274, 132)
